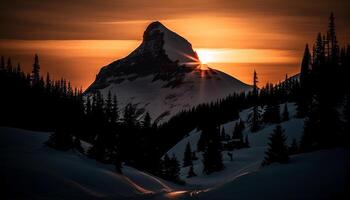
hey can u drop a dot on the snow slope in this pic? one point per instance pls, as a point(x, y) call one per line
point(28, 169)
point(317, 175)
point(197, 87)
point(244, 160)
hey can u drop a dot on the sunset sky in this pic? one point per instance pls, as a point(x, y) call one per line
point(75, 38)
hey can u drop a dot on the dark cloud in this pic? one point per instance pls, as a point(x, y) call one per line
point(85, 19)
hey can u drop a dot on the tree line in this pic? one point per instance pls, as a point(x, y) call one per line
point(323, 99)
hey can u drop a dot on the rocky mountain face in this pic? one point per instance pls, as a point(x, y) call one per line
point(163, 76)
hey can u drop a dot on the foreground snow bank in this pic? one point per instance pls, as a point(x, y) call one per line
point(317, 175)
point(30, 170)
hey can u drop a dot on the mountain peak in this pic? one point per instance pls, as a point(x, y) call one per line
point(155, 24)
point(163, 53)
point(177, 48)
point(152, 29)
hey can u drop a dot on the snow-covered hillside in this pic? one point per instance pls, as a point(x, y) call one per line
point(30, 170)
point(307, 176)
point(197, 87)
point(164, 76)
point(318, 175)
point(244, 160)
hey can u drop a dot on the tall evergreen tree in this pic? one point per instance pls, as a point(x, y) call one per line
point(294, 148)
point(255, 84)
point(346, 131)
point(130, 115)
point(305, 66)
point(48, 82)
point(223, 134)
point(9, 65)
point(174, 170)
point(246, 141)
point(2, 63)
point(254, 117)
point(115, 110)
point(278, 149)
point(187, 160)
point(238, 132)
point(191, 172)
point(18, 69)
point(212, 157)
point(285, 113)
point(272, 113)
point(146, 124)
point(319, 58)
point(170, 169)
point(332, 38)
point(36, 70)
point(109, 106)
point(311, 128)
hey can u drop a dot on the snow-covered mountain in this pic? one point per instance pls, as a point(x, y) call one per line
point(164, 75)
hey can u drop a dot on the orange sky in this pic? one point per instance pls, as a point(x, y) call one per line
point(75, 38)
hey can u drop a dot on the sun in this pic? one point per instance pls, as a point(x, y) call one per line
point(205, 56)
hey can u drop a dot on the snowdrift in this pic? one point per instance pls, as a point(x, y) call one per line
point(29, 169)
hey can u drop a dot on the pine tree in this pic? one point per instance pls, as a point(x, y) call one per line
point(187, 160)
point(48, 82)
point(98, 149)
point(255, 114)
point(278, 150)
point(305, 66)
point(294, 148)
point(9, 65)
point(194, 156)
point(77, 145)
point(18, 69)
point(272, 113)
point(255, 84)
point(170, 169)
point(212, 157)
point(36, 70)
point(60, 140)
point(223, 134)
point(319, 57)
point(332, 38)
point(130, 116)
point(254, 119)
point(204, 138)
point(238, 132)
point(307, 142)
point(88, 107)
point(346, 131)
point(2, 63)
point(246, 141)
point(146, 124)
point(174, 170)
point(109, 106)
point(115, 110)
point(285, 113)
point(191, 172)
point(165, 165)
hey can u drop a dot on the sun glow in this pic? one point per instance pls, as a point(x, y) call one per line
point(206, 56)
